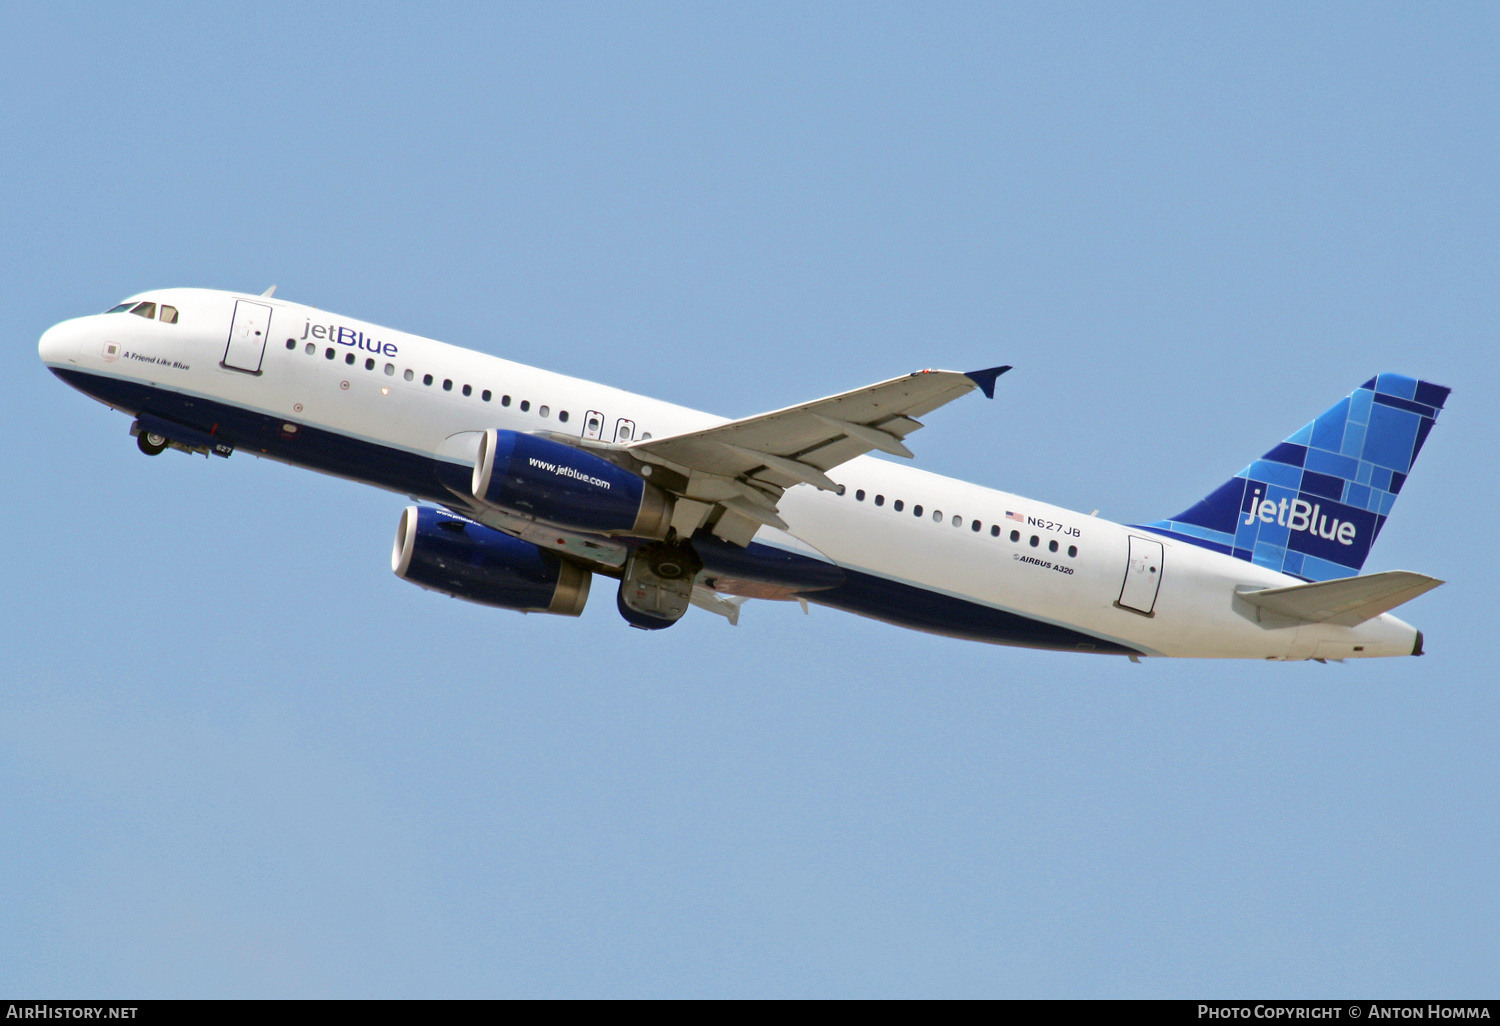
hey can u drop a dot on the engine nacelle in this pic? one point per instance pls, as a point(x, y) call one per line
point(567, 487)
point(457, 557)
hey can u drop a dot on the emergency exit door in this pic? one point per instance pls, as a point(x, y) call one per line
point(1142, 576)
point(247, 336)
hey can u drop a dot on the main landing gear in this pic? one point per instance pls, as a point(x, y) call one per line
point(658, 584)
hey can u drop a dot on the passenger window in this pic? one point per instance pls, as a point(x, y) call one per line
point(390, 369)
point(916, 511)
point(840, 490)
point(976, 527)
point(291, 343)
point(408, 375)
point(1015, 536)
point(505, 400)
point(899, 505)
point(349, 359)
point(1072, 550)
point(880, 500)
point(146, 310)
point(562, 415)
point(447, 384)
point(994, 530)
point(426, 379)
point(525, 405)
point(937, 516)
point(646, 437)
point(958, 521)
point(468, 390)
point(369, 363)
point(859, 496)
point(169, 316)
point(1035, 541)
point(544, 411)
point(309, 349)
point(328, 353)
point(1052, 546)
point(485, 395)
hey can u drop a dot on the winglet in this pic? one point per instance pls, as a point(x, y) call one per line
point(269, 292)
point(985, 379)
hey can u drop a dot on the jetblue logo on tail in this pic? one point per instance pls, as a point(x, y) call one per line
point(1300, 516)
point(1314, 504)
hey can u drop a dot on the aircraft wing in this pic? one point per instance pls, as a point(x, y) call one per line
point(739, 470)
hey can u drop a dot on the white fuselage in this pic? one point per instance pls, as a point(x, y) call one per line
point(380, 397)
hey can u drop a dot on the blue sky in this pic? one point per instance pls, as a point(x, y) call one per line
point(239, 757)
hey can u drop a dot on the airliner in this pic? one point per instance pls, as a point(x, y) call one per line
point(528, 485)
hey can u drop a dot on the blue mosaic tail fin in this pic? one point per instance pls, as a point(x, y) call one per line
point(1313, 505)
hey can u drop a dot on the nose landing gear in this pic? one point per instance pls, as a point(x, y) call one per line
point(153, 436)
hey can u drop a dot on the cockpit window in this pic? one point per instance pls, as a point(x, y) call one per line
point(120, 309)
point(168, 314)
point(146, 310)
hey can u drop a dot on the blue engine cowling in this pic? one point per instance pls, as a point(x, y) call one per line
point(458, 557)
point(568, 487)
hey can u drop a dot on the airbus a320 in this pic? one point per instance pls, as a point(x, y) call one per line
point(530, 484)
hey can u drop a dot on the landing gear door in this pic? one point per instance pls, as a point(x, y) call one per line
point(247, 336)
point(1142, 576)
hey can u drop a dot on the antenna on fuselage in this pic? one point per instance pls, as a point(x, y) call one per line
point(269, 292)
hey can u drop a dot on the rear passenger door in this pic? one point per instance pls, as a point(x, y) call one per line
point(1142, 576)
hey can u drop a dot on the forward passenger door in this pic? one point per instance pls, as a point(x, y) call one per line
point(247, 336)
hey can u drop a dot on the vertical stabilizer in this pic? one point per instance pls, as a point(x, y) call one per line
point(1314, 504)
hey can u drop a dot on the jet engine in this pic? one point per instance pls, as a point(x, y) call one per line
point(567, 487)
point(441, 552)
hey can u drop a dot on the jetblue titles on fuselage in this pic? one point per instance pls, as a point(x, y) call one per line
point(351, 337)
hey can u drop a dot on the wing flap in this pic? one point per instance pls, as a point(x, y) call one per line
point(1345, 601)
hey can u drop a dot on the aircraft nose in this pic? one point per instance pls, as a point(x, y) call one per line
point(57, 343)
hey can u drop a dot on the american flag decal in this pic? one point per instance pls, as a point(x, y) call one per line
point(1018, 518)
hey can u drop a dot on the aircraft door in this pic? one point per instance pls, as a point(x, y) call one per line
point(247, 336)
point(1142, 576)
point(625, 430)
point(593, 424)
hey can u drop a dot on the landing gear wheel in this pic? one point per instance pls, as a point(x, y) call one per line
point(672, 562)
point(151, 445)
point(670, 569)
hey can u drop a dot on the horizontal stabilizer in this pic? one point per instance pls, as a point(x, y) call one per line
point(1345, 601)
